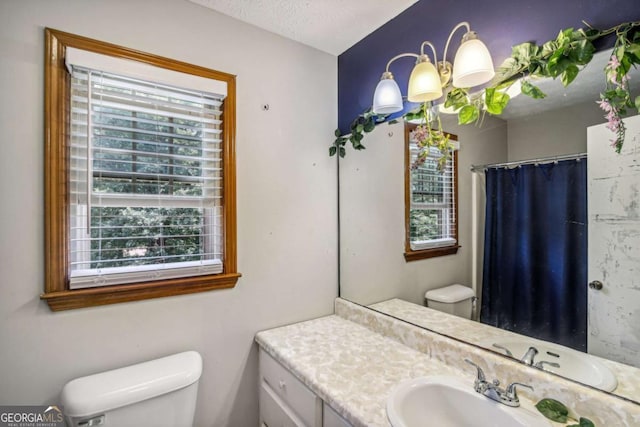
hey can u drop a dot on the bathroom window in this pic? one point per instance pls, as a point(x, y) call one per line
point(140, 175)
point(431, 219)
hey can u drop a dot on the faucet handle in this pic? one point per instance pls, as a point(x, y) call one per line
point(511, 390)
point(480, 376)
point(542, 363)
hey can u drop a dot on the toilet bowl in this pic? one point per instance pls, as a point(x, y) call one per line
point(159, 393)
point(453, 299)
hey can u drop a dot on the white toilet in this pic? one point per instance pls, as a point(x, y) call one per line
point(159, 393)
point(453, 299)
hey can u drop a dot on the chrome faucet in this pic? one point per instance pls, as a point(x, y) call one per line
point(492, 390)
point(528, 357)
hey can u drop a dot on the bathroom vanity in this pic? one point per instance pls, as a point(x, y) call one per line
point(340, 370)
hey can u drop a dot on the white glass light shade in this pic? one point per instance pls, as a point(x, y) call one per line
point(387, 98)
point(472, 65)
point(424, 83)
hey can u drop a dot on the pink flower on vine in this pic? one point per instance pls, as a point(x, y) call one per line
point(420, 133)
point(613, 63)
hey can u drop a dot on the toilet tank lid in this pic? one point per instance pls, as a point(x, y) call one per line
point(450, 294)
point(124, 386)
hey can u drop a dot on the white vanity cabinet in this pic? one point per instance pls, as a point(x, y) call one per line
point(286, 402)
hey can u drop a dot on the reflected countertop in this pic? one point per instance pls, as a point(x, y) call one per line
point(477, 333)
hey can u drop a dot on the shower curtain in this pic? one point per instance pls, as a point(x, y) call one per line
point(535, 251)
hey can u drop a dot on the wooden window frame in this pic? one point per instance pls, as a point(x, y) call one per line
point(415, 255)
point(57, 82)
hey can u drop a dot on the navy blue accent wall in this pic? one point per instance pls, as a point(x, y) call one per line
point(500, 24)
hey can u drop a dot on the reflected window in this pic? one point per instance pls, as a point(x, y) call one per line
point(430, 203)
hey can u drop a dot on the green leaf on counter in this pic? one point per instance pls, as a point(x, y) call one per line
point(554, 410)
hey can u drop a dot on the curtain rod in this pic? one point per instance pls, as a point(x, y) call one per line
point(480, 168)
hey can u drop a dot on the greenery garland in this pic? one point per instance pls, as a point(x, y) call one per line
point(563, 57)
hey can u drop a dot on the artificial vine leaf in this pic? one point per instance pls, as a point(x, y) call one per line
point(413, 115)
point(554, 410)
point(468, 114)
point(582, 52)
point(548, 48)
point(337, 133)
point(584, 422)
point(507, 70)
point(569, 74)
point(523, 52)
point(457, 99)
point(558, 63)
point(532, 90)
point(495, 101)
point(342, 152)
point(633, 51)
point(332, 150)
point(369, 125)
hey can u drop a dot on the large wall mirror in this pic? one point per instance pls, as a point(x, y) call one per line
point(552, 132)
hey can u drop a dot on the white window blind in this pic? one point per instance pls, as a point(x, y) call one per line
point(433, 211)
point(145, 180)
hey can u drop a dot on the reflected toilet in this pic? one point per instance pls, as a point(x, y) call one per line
point(453, 299)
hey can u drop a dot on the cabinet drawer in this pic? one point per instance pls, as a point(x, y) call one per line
point(274, 412)
point(306, 405)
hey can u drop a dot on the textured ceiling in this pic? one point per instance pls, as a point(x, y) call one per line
point(332, 26)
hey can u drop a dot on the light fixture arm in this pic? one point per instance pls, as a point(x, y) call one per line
point(387, 73)
point(446, 46)
point(433, 49)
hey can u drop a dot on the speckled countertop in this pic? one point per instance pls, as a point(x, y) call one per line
point(350, 367)
point(352, 360)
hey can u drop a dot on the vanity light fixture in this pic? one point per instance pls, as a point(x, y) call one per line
point(472, 66)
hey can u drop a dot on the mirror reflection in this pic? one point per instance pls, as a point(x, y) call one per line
point(546, 234)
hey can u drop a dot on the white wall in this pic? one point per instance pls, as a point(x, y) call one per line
point(287, 247)
point(372, 228)
point(552, 133)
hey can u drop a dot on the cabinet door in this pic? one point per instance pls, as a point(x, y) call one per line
point(274, 412)
point(302, 402)
point(332, 419)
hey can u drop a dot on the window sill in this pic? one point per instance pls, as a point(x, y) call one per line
point(430, 253)
point(90, 297)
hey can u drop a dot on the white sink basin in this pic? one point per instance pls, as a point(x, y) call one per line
point(574, 365)
point(451, 402)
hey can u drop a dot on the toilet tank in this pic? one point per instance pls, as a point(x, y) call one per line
point(159, 393)
point(453, 299)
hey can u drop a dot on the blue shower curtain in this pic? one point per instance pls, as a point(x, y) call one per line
point(535, 252)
